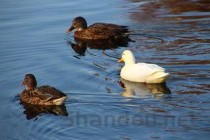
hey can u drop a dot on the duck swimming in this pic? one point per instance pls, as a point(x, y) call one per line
point(97, 31)
point(141, 72)
point(43, 95)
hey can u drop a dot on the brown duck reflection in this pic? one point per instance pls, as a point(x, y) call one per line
point(32, 111)
point(143, 90)
point(80, 46)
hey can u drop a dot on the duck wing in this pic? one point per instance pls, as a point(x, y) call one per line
point(151, 67)
point(48, 93)
point(108, 26)
point(45, 96)
point(146, 69)
point(105, 31)
point(139, 72)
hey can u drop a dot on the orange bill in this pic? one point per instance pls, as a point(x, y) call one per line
point(120, 60)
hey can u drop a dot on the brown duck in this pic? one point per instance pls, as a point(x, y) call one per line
point(43, 95)
point(97, 31)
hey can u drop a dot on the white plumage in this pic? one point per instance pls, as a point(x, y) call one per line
point(141, 72)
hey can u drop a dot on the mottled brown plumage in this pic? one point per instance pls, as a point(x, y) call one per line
point(97, 30)
point(43, 95)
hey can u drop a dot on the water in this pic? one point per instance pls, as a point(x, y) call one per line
point(174, 35)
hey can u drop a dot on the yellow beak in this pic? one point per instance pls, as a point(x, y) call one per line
point(120, 60)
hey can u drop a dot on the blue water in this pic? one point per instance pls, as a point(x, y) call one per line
point(174, 35)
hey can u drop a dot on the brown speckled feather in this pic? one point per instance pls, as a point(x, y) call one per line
point(43, 95)
point(98, 30)
point(101, 31)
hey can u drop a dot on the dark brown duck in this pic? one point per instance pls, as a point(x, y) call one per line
point(43, 95)
point(97, 31)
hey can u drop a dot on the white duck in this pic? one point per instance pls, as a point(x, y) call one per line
point(141, 72)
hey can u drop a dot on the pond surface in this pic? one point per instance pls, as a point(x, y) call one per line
point(173, 34)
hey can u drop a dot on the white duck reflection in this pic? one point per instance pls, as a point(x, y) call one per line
point(143, 90)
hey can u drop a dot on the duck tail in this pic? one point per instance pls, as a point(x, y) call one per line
point(59, 101)
point(158, 77)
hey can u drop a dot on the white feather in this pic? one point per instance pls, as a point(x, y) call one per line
point(60, 101)
point(141, 72)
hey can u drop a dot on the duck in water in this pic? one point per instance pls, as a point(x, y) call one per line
point(43, 95)
point(97, 31)
point(141, 72)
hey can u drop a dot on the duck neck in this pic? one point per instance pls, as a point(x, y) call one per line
point(130, 61)
point(81, 29)
point(30, 88)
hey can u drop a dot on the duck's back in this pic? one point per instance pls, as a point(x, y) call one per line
point(109, 26)
point(139, 72)
point(50, 90)
point(102, 31)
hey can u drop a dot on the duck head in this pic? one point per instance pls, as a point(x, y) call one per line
point(79, 23)
point(127, 57)
point(30, 82)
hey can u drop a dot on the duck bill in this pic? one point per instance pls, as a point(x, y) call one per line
point(120, 60)
point(70, 29)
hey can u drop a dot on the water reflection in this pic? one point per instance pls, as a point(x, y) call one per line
point(32, 111)
point(180, 6)
point(164, 8)
point(143, 90)
point(80, 45)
